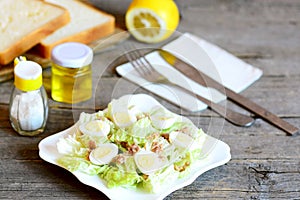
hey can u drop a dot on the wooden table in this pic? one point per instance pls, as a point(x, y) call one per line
point(265, 161)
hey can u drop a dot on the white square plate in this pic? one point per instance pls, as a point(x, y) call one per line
point(216, 153)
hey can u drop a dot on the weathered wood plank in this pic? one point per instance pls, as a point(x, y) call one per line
point(238, 179)
point(267, 28)
point(265, 162)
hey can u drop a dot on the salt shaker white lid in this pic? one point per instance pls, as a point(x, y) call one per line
point(28, 76)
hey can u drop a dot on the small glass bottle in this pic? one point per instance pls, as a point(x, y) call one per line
point(71, 72)
point(28, 109)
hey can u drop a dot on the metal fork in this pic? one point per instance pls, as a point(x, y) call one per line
point(148, 72)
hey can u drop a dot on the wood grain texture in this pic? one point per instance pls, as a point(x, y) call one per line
point(265, 162)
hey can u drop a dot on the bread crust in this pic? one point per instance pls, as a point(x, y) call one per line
point(30, 40)
point(85, 36)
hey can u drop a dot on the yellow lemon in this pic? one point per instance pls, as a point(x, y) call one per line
point(152, 21)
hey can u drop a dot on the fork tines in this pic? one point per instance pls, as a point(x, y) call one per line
point(139, 62)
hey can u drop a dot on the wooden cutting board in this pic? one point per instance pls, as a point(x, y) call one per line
point(6, 72)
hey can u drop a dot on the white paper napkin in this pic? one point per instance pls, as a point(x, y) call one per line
point(209, 58)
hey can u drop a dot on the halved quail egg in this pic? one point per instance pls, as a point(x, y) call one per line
point(95, 128)
point(122, 112)
point(123, 119)
point(181, 140)
point(103, 154)
point(149, 162)
point(162, 118)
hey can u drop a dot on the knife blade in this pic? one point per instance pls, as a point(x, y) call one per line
point(203, 79)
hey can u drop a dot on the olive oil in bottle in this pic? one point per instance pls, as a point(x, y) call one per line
point(71, 72)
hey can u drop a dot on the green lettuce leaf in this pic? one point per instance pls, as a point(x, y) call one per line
point(80, 164)
point(71, 146)
point(122, 135)
point(128, 165)
point(85, 140)
point(153, 183)
point(115, 177)
point(86, 117)
point(141, 128)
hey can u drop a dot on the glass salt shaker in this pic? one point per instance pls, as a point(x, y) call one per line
point(28, 109)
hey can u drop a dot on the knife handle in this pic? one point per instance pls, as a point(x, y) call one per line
point(261, 112)
point(236, 118)
point(207, 81)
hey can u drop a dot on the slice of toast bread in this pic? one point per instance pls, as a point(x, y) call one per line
point(87, 24)
point(24, 23)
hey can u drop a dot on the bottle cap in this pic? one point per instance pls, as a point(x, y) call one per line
point(72, 55)
point(28, 76)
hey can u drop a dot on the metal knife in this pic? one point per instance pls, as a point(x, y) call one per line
point(205, 80)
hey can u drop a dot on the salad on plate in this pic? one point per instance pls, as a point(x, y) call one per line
point(132, 146)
